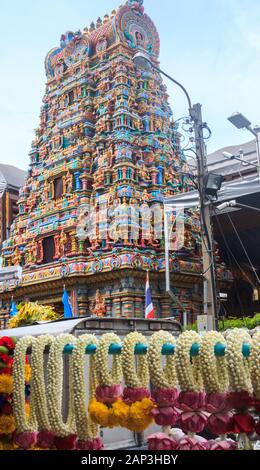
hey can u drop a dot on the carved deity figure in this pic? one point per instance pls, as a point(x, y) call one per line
point(63, 243)
point(68, 183)
point(100, 307)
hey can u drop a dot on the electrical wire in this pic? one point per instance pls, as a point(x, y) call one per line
point(229, 253)
point(247, 255)
point(232, 254)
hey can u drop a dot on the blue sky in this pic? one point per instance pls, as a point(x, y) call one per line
point(211, 46)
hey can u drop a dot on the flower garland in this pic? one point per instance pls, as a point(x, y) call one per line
point(255, 374)
point(215, 376)
point(164, 381)
point(240, 385)
point(109, 390)
point(7, 423)
point(86, 429)
point(255, 365)
point(192, 397)
point(26, 426)
point(45, 438)
point(65, 438)
point(136, 395)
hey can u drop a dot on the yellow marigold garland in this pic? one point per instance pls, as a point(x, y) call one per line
point(6, 384)
point(109, 387)
point(135, 412)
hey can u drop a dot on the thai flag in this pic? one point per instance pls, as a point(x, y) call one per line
point(149, 309)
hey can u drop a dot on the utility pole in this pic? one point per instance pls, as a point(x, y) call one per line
point(209, 276)
point(209, 272)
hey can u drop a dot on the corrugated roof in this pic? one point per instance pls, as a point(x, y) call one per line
point(12, 176)
point(229, 167)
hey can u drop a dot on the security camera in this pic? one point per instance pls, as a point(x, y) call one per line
point(228, 155)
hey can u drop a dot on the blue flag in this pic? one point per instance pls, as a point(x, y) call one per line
point(67, 307)
point(13, 310)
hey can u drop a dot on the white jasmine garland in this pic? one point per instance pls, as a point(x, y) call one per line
point(86, 429)
point(38, 381)
point(238, 365)
point(104, 375)
point(161, 377)
point(134, 377)
point(23, 424)
point(214, 369)
point(255, 364)
point(55, 386)
point(188, 368)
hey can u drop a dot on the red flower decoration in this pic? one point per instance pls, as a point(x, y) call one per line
point(239, 400)
point(216, 402)
point(94, 444)
point(161, 441)
point(5, 359)
point(243, 423)
point(165, 396)
point(192, 401)
point(131, 395)
point(65, 443)
point(7, 343)
point(189, 443)
point(222, 445)
point(45, 439)
point(166, 416)
point(257, 428)
point(107, 394)
point(220, 423)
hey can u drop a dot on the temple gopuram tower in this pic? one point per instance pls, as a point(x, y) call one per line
point(105, 155)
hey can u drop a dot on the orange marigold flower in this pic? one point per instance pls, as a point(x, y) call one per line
point(6, 384)
point(27, 373)
point(7, 424)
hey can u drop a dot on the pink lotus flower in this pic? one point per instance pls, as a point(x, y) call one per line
point(45, 439)
point(193, 421)
point(108, 394)
point(25, 440)
point(192, 401)
point(166, 416)
point(222, 445)
point(161, 441)
point(165, 396)
point(190, 443)
point(93, 444)
point(131, 395)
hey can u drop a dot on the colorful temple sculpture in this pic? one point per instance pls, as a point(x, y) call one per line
point(105, 155)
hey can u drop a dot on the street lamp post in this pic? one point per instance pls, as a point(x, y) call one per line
point(209, 277)
point(241, 122)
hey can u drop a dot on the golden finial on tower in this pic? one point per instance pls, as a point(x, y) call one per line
point(113, 13)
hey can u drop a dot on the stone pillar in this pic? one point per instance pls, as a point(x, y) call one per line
point(83, 301)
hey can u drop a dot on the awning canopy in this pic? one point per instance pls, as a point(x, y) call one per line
point(229, 191)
